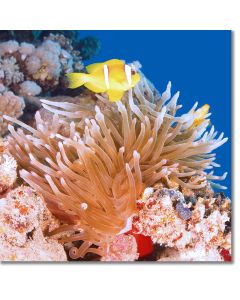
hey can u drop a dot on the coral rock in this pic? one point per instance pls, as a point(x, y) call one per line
point(158, 218)
point(23, 219)
point(188, 231)
point(198, 253)
point(37, 248)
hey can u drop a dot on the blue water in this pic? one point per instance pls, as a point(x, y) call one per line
point(198, 63)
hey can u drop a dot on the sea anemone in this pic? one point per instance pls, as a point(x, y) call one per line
point(92, 177)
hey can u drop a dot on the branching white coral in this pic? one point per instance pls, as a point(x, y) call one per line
point(11, 105)
point(9, 71)
point(8, 47)
point(26, 49)
point(45, 64)
point(48, 61)
point(29, 88)
point(8, 169)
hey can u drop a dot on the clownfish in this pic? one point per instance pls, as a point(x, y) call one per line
point(200, 115)
point(113, 77)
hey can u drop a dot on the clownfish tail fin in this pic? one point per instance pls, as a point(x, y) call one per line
point(76, 79)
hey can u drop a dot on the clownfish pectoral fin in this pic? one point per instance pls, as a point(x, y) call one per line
point(95, 85)
point(94, 67)
point(115, 95)
point(76, 79)
point(135, 78)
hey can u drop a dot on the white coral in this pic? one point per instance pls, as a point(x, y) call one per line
point(8, 47)
point(44, 62)
point(10, 72)
point(26, 49)
point(10, 105)
point(29, 88)
point(8, 170)
point(33, 64)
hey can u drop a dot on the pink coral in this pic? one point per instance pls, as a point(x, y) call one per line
point(122, 248)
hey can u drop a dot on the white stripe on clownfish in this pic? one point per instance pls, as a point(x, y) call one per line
point(106, 76)
point(128, 72)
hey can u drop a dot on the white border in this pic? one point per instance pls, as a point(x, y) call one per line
point(135, 281)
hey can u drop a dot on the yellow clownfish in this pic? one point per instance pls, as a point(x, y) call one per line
point(200, 115)
point(113, 77)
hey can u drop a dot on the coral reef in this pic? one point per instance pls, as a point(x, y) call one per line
point(44, 64)
point(88, 46)
point(34, 63)
point(88, 179)
point(92, 171)
point(194, 232)
point(24, 219)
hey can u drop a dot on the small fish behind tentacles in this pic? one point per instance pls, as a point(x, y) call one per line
point(113, 77)
point(201, 114)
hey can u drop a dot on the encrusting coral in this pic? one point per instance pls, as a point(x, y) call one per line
point(92, 176)
point(184, 228)
point(24, 218)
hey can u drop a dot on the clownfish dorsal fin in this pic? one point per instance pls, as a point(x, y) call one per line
point(114, 62)
point(94, 67)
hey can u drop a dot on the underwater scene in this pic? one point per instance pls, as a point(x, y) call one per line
point(115, 146)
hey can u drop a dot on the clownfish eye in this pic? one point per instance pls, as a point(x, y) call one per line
point(133, 72)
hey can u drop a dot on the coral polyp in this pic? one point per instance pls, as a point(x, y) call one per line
point(92, 174)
